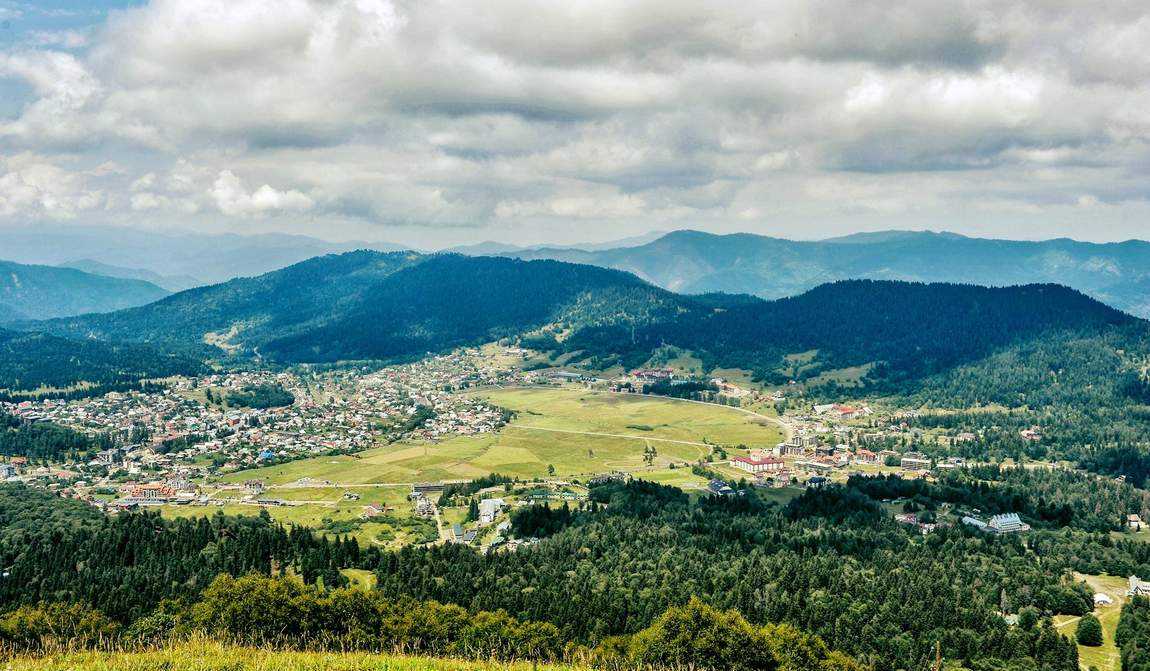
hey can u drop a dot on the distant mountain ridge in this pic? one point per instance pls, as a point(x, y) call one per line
point(44, 292)
point(168, 282)
point(696, 262)
point(208, 258)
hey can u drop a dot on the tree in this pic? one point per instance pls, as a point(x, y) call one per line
point(1089, 631)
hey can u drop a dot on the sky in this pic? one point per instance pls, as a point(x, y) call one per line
point(433, 123)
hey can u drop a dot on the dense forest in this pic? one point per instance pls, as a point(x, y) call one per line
point(1133, 635)
point(35, 364)
point(831, 564)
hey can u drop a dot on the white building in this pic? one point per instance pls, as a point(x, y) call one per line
point(1007, 523)
point(1138, 587)
point(758, 464)
point(489, 509)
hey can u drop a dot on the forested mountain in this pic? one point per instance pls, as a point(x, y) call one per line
point(370, 305)
point(43, 292)
point(31, 361)
point(697, 262)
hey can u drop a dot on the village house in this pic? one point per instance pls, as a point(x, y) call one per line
point(1134, 522)
point(1138, 587)
point(864, 456)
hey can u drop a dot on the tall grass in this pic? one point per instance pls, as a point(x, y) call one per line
point(204, 655)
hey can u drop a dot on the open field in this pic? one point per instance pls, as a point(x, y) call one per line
point(325, 508)
point(1104, 657)
point(578, 432)
point(205, 656)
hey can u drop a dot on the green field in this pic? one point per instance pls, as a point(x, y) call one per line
point(1104, 657)
point(206, 656)
point(319, 507)
point(578, 432)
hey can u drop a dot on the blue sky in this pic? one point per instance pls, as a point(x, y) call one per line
point(440, 122)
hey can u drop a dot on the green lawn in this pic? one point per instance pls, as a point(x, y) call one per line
point(578, 432)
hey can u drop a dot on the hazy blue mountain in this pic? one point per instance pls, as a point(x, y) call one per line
point(169, 282)
point(43, 292)
point(697, 262)
point(210, 258)
point(492, 248)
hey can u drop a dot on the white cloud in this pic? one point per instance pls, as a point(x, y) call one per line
point(232, 198)
point(442, 117)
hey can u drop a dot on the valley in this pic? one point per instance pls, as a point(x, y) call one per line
point(383, 427)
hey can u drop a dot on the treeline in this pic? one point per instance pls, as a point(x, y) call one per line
point(1043, 496)
point(1133, 635)
point(283, 612)
point(126, 564)
point(40, 365)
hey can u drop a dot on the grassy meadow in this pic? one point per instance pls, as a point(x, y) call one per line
point(578, 432)
point(1106, 656)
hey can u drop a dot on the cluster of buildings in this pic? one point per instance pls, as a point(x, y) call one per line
point(188, 430)
point(1006, 523)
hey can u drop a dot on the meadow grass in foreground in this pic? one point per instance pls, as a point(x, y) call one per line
point(210, 656)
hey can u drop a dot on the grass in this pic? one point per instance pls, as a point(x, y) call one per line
point(208, 656)
point(1106, 656)
point(578, 432)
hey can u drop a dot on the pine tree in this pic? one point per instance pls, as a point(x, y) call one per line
point(1089, 631)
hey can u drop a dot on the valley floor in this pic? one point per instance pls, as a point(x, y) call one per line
point(206, 656)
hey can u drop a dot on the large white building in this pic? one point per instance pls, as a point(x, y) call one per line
point(489, 509)
point(758, 464)
point(1138, 587)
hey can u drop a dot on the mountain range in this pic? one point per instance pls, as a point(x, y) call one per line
point(398, 306)
point(188, 258)
point(697, 262)
point(43, 292)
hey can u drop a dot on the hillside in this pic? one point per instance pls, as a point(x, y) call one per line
point(43, 292)
point(697, 262)
point(369, 305)
point(30, 361)
point(168, 282)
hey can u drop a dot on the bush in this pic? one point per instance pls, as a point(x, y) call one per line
point(56, 625)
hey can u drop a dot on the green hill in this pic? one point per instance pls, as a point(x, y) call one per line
point(42, 292)
point(32, 361)
point(371, 305)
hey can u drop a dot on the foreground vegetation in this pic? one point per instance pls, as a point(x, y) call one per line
point(208, 655)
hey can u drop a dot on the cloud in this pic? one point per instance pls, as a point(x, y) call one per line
point(599, 117)
point(232, 198)
point(32, 185)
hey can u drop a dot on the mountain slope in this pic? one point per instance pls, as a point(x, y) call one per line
point(167, 282)
point(42, 292)
point(368, 305)
point(29, 361)
point(696, 262)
